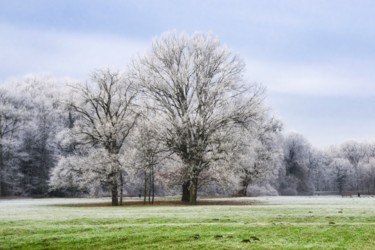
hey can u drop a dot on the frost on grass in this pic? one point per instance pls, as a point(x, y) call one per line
point(59, 209)
point(278, 222)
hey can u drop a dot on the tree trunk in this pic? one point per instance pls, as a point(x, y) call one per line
point(121, 187)
point(243, 191)
point(149, 187)
point(2, 179)
point(185, 191)
point(244, 183)
point(3, 191)
point(153, 185)
point(114, 190)
point(193, 191)
point(145, 188)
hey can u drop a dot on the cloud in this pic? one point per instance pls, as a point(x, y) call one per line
point(62, 54)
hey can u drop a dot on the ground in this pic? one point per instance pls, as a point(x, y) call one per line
point(329, 222)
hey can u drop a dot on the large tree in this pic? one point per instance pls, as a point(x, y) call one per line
point(106, 114)
point(197, 85)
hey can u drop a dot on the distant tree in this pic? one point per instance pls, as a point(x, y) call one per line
point(197, 85)
point(43, 99)
point(11, 118)
point(340, 172)
point(318, 162)
point(295, 178)
point(354, 152)
point(368, 169)
point(259, 154)
point(106, 115)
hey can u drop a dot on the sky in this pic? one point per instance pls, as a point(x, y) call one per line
point(316, 58)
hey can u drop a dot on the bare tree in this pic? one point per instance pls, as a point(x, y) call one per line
point(354, 152)
point(317, 164)
point(197, 85)
point(369, 175)
point(259, 154)
point(340, 171)
point(295, 178)
point(107, 114)
point(10, 120)
point(150, 153)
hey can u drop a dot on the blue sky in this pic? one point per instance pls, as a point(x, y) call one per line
point(316, 58)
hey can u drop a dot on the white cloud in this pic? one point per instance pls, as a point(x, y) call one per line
point(62, 54)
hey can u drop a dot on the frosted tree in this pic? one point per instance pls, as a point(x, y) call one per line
point(368, 177)
point(43, 99)
point(106, 115)
point(340, 171)
point(150, 153)
point(197, 85)
point(295, 178)
point(88, 170)
point(354, 152)
point(258, 155)
point(11, 118)
point(318, 166)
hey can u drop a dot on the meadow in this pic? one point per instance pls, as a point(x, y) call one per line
point(326, 222)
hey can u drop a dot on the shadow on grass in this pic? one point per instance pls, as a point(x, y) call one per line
point(167, 203)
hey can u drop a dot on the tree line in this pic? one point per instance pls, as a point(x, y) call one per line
point(181, 119)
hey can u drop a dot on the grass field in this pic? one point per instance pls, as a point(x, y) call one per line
point(329, 222)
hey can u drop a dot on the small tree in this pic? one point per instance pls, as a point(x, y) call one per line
point(197, 85)
point(107, 114)
point(149, 154)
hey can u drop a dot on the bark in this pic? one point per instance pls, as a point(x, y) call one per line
point(114, 191)
point(193, 191)
point(121, 187)
point(149, 188)
point(244, 184)
point(145, 189)
point(153, 186)
point(243, 191)
point(185, 191)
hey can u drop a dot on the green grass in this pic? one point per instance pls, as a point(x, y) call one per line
point(278, 223)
